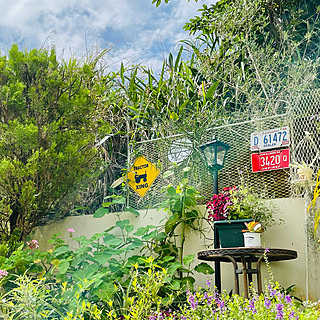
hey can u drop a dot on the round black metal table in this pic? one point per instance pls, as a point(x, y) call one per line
point(247, 256)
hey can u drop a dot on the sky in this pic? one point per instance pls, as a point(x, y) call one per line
point(135, 30)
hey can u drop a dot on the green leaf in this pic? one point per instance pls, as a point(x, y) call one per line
point(171, 223)
point(204, 268)
point(129, 228)
point(170, 60)
point(168, 258)
point(122, 72)
point(112, 240)
point(187, 260)
point(106, 204)
point(141, 231)
point(212, 90)
point(122, 224)
point(135, 244)
point(189, 281)
point(102, 257)
point(99, 213)
point(119, 200)
point(173, 267)
point(61, 250)
point(175, 285)
point(96, 236)
point(151, 235)
point(63, 267)
point(134, 211)
point(178, 58)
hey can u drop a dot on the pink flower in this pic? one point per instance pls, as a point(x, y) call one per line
point(71, 230)
point(33, 244)
point(3, 273)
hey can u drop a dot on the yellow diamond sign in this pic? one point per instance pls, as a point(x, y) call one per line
point(142, 175)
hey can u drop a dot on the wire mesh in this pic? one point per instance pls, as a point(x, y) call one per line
point(304, 125)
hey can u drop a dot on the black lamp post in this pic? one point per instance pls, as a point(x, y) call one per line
point(214, 154)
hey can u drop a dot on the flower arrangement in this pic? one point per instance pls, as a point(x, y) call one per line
point(239, 203)
point(219, 205)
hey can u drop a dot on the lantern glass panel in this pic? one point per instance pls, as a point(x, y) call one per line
point(221, 152)
point(210, 154)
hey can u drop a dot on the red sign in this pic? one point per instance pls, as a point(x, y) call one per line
point(270, 160)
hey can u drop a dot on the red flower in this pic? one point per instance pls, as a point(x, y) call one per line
point(218, 206)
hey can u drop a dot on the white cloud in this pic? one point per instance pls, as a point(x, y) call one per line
point(137, 30)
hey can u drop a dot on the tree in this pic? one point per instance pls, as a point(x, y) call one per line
point(51, 114)
point(158, 2)
point(263, 52)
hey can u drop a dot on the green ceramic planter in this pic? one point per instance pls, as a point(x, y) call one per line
point(230, 232)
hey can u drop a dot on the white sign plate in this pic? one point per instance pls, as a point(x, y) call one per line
point(270, 139)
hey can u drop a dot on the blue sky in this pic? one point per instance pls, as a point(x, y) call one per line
point(135, 30)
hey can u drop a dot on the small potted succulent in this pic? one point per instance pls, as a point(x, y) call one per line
point(231, 209)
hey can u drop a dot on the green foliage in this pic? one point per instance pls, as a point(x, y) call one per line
point(313, 205)
point(50, 116)
point(158, 2)
point(142, 300)
point(31, 299)
point(261, 52)
point(248, 205)
point(179, 100)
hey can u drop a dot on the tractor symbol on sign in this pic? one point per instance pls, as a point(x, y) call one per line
point(139, 177)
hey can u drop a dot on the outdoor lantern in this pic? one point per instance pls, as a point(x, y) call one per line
point(214, 153)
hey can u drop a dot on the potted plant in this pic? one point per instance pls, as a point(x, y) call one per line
point(231, 209)
point(304, 171)
point(252, 236)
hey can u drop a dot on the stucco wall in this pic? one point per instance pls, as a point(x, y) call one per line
point(289, 235)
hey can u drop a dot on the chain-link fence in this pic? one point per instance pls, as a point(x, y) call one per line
point(303, 122)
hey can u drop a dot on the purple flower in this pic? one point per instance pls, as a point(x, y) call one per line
point(192, 301)
point(272, 291)
point(267, 303)
point(221, 305)
point(279, 311)
point(287, 299)
point(208, 283)
point(252, 307)
point(267, 250)
point(71, 230)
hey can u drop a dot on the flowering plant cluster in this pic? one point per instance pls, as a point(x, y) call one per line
point(3, 273)
point(33, 244)
point(273, 304)
point(219, 205)
point(239, 203)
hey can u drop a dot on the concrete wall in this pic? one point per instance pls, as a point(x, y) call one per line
point(289, 235)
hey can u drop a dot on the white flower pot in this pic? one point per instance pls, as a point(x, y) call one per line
point(252, 239)
point(305, 173)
